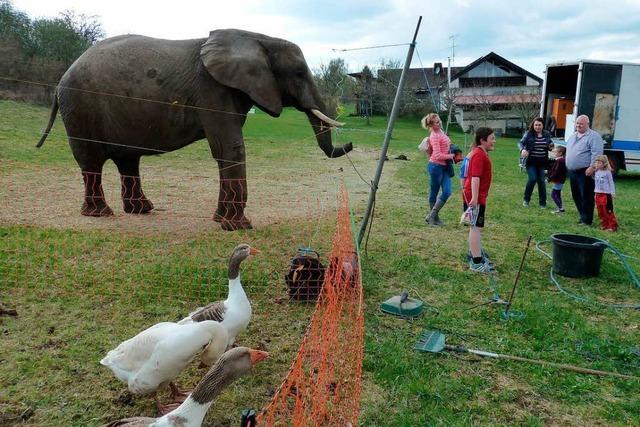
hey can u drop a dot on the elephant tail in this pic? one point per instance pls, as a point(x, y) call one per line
point(52, 118)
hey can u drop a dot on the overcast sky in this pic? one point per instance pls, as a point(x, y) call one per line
point(528, 33)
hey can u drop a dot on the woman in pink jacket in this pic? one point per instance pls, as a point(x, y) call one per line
point(439, 166)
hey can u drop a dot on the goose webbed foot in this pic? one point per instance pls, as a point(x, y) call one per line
point(178, 395)
point(164, 409)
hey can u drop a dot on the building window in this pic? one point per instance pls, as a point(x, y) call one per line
point(493, 81)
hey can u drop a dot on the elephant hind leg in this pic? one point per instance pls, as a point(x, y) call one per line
point(94, 202)
point(91, 158)
point(133, 198)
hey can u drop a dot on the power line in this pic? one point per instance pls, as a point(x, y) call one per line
point(370, 47)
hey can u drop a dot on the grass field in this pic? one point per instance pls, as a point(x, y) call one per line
point(82, 285)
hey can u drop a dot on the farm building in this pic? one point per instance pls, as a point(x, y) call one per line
point(491, 91)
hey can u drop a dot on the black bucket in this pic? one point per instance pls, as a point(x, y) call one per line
point(577, 256)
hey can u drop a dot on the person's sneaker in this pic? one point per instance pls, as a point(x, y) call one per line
point(525, 203)
point(558, 211)
point(483, 254)
point(483, 266)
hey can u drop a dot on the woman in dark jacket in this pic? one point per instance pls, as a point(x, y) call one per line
point(535, 145)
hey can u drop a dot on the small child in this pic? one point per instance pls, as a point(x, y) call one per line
point(557, 176)
point(464, 165)
point(605, 191)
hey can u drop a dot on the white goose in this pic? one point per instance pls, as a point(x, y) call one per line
point(234, 313)
point(232, 365)
point(156, 356)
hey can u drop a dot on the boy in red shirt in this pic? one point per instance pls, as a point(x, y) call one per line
point(476, 190)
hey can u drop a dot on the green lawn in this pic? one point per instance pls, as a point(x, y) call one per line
point(83, 285)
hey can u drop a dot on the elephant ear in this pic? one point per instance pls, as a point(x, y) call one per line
point(237, 59)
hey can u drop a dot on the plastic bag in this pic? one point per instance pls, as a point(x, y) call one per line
point(425, 146)
point(469, 216)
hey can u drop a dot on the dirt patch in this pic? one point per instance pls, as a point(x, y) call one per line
point(184, 194)
point(526, 402)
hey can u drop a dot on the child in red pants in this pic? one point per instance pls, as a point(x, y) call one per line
point(605, 192)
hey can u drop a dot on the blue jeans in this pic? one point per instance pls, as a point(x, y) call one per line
point(438, 179)
point(536, 176)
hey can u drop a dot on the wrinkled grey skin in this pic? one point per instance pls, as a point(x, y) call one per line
point(223, 76)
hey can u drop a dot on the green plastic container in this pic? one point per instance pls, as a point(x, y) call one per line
point(410, 307)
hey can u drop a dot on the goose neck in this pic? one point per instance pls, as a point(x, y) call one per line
point(189, 414)
point(234, 267)
point(235, 289)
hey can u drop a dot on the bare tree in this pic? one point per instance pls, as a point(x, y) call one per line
point(484, 102)
point(334, 84)
point(526, 106)
point(447, 101)
point(364, 93)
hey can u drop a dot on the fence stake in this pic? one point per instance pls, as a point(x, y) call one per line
point(387, 135)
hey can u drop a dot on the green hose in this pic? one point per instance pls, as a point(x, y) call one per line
point(623, 258)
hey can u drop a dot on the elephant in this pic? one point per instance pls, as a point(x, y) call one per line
point(130, 96)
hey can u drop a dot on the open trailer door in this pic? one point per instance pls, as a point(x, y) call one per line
point(599, 90)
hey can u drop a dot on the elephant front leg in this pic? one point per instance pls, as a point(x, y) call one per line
point(220, 213)
point(229, 152)
point(94, 201)
point(231, 204)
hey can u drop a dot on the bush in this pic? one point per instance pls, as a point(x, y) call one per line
point(36, 53)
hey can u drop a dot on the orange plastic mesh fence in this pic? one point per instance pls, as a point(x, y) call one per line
point(322, 387)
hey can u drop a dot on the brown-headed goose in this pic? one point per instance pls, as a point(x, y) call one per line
point(234, 313)
point(232, 365)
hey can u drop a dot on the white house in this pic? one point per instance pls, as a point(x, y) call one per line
point(496, 93)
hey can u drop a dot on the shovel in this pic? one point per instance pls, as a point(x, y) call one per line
point(434, 342)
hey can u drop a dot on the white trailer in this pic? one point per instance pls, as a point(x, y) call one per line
point(607, 92)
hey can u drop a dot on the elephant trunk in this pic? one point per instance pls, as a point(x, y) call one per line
point(322, 131)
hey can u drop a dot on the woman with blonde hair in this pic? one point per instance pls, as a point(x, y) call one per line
point(439, 168)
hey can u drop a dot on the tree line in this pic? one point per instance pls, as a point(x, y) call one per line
point(40, 50)
point(367, 93)
point(34, 53)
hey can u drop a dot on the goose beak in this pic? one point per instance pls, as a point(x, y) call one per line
point(253, 251)
point(257, 356)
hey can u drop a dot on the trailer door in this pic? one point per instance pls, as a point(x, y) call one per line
point(628, 117)
point(599, 89)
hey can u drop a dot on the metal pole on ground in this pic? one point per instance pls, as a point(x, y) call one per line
point(387, 135)
point(515, 282)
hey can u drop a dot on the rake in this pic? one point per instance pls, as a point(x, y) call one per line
point(434, 342)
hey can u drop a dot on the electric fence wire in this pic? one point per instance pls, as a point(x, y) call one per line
point(369, 47)
point(424, 73)
point(583, 299)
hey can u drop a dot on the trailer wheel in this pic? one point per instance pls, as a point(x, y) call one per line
point(614, 163)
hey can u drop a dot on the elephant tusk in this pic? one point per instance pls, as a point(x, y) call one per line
point(326, 119)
